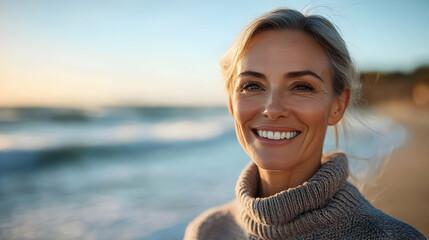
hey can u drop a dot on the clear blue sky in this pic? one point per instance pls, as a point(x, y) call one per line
point(84, 53)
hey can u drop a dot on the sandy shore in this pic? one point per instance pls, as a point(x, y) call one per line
point(402, 189)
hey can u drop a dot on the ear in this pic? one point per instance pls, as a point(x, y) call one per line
point(230, 108)
point(339, 107)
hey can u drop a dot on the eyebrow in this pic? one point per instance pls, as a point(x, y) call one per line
point(287, 75)
point(252, 74)
point(303, 73)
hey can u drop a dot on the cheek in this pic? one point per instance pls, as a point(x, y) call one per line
point(244, 111)
point(314, 112)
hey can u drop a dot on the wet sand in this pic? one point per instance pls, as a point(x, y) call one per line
point(402, 188)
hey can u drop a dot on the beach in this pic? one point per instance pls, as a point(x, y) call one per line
point(402, 188)
point(133, 173)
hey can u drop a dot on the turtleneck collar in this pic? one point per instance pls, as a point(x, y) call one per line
point(297, 210)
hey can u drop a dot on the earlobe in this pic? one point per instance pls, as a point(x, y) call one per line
point(339, 107)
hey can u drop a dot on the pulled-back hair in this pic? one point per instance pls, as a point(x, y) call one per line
point(322, 30)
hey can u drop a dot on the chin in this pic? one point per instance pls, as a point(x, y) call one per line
point(275, 163)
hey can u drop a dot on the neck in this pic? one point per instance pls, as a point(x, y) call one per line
point(324, 199)
point(275, 181)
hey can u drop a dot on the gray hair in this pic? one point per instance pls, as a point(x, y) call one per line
point(322, 30)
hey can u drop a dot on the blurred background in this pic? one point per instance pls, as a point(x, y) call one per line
point(113, 119)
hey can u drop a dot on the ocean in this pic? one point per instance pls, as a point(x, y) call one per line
point(137, 172)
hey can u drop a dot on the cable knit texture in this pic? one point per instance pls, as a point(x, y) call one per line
point(324, 207)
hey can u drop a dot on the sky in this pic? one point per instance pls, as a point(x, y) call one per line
point(59, 53)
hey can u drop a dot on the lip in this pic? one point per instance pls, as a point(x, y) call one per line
point(271, 142)
point(276, 128)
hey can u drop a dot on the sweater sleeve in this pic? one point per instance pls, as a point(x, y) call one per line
point(215, 223)
point(201, 226)
point(401, 230)
point(391, 227)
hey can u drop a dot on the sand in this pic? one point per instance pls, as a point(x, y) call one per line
point(402, 188)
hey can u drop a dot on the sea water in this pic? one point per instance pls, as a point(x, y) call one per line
point(135, 173)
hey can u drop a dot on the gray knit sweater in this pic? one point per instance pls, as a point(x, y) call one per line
point(324, 207)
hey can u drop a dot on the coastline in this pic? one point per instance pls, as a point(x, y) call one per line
point(402, 188)
point(389, 192)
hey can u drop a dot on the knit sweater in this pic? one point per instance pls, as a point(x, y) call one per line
point(324, 207)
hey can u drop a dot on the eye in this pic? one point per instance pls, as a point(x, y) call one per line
point(303, 87)
point(251, 87)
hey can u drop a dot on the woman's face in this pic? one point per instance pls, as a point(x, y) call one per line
point(282, 101)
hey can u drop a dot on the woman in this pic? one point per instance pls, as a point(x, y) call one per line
point(288, 77)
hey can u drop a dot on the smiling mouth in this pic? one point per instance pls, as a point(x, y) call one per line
point(272, 135)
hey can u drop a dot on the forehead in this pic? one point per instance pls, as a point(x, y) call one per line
point(285, 51)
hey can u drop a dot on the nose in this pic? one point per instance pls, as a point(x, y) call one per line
point(275, 107)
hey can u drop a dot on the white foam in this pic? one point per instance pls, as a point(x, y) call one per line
point(54, 136)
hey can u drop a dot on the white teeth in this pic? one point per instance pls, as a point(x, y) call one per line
point(277, 135)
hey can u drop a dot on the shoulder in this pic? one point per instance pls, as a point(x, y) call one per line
point(364, 220)
point(215, 223)
point(387, 226)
